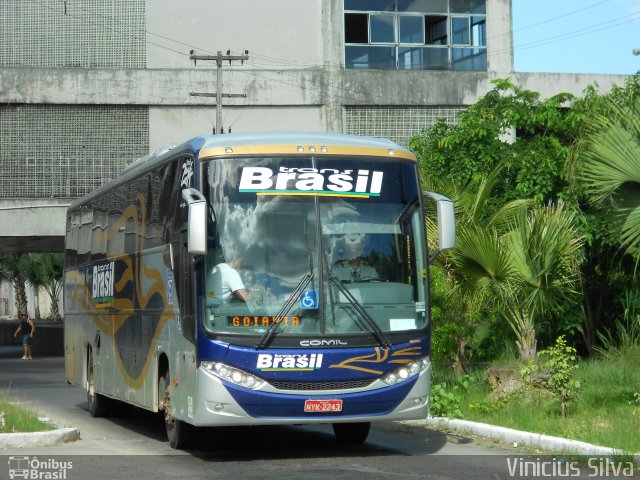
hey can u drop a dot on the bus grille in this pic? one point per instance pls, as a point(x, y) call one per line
point(308, 386)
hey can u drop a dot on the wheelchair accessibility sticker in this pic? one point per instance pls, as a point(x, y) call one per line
point(309, 300)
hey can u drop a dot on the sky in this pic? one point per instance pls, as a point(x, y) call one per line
point(576, 36)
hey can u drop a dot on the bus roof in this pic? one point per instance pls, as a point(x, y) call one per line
point(291, 143)
point(258, 143)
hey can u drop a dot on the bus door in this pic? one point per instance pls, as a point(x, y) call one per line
point(182, 344)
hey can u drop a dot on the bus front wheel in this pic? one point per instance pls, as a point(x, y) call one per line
point(351, 432)
point(178, 432)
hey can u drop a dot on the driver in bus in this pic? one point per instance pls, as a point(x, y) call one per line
point(226, 282)
point(352, 266)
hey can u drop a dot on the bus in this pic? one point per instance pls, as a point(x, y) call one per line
point(256, 279)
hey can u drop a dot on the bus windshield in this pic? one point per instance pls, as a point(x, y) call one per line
point(314, 244)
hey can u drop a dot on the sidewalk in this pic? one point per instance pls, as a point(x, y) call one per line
point(33, 439)
point(553, 445)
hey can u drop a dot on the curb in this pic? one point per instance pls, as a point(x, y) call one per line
point(511, 436)
point(39, 439)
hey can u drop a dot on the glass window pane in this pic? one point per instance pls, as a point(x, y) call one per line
point(411, 29)
point(460, 31)
point(356, 28)
point(423, 58)
point(468, 6)
point(369, 5)
point(469, 59)
point(382, 29)
point(435, 30)
point(479, 31)
point(382, 58)
point(423, 6)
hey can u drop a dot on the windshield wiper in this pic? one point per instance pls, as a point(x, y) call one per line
point(374, 328)
point(288, 305)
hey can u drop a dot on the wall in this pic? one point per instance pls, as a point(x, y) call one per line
point(48, 339)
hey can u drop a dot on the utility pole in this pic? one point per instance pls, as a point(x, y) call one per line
point(219, 58)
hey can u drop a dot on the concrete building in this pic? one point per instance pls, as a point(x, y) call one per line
point(88, 85)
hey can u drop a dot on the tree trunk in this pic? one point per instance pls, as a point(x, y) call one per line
point(20, 293)
point(36, 303)
point(527, 343)
point(459, 363)
point(55, 311)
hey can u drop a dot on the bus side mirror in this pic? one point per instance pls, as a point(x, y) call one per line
point(197, 222)
point(446, 223)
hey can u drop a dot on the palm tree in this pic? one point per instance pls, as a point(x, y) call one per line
point(608, 166)
point(545, 252)
point(10, 270)
point(45, 270)
point(524, 261)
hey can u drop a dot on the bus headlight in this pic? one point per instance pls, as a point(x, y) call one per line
point(406, 371)
point(232, 375)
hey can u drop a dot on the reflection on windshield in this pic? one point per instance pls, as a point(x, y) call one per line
point(262, 246)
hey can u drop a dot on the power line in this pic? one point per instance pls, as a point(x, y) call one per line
point(553, 19)
point(615, 22)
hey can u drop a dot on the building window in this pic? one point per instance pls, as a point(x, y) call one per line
point(415, 34)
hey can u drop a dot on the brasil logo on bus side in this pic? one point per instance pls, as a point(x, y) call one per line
point(311, 181)
point(102, 283)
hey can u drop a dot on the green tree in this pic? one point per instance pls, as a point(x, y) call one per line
point(10, 270)
point(466, 319)
point(539, 163)
point(510, 127)
point(44, 270)
point(608, 167)
point(523, 260)
point(545, 250)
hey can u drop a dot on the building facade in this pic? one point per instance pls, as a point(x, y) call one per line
point(88, 85)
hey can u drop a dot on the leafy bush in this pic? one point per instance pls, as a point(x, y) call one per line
point(557, 375)
point(446, 398)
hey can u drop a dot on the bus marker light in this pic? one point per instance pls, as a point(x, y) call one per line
point(324, 149)
point(312, 148)
point(228, 150)
point(300, 148)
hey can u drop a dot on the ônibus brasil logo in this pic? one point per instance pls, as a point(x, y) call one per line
point(35, 469)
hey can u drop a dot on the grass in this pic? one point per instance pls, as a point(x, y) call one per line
point(19, 419)
point(607, 410)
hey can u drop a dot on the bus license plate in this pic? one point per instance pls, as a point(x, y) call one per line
point(323, 405)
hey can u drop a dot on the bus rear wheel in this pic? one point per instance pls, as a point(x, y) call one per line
point(98, 404)
point(351, 432)
point(178, 432)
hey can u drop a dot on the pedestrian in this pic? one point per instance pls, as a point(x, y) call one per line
point(27, 328)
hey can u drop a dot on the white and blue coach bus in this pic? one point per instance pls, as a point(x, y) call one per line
point(326, 316)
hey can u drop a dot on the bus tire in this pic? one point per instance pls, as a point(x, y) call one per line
point(178, 432)
point(351, 432)
point(98, 404)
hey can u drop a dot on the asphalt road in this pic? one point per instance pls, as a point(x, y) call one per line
point(133, 445)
